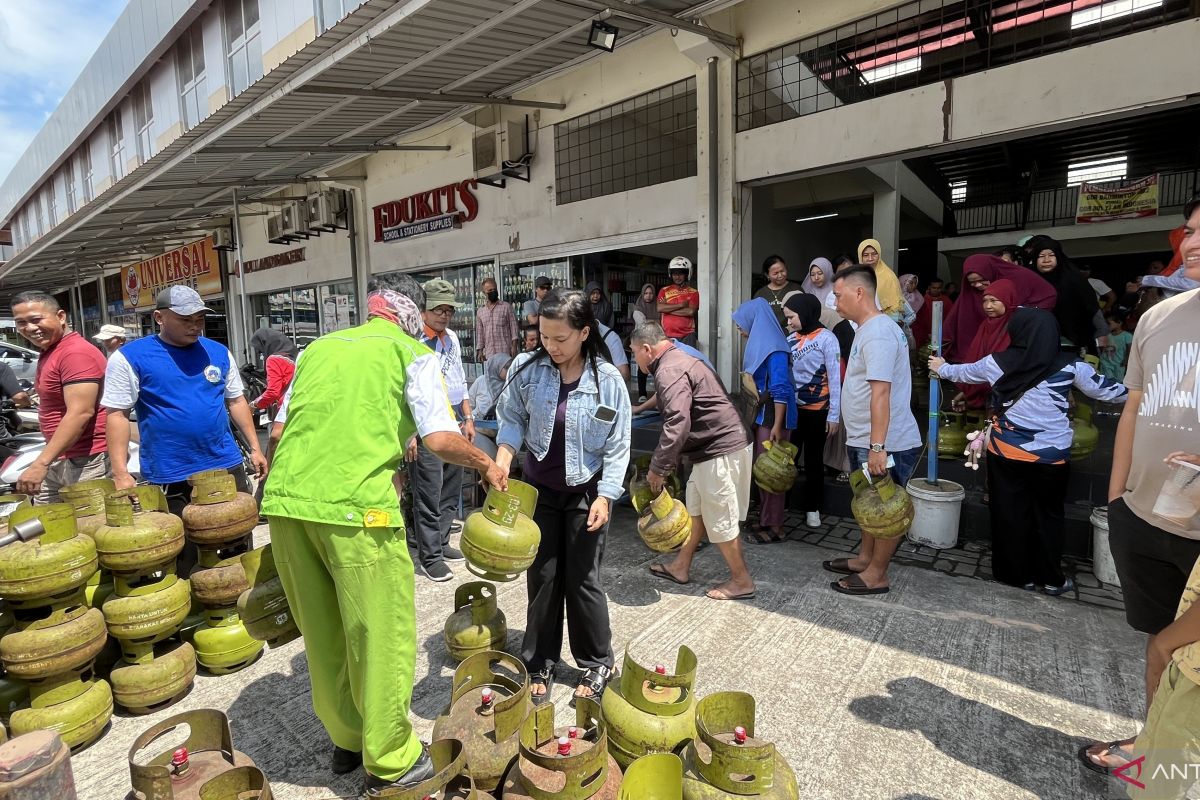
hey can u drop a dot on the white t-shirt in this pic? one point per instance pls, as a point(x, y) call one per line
point(616, 350)
point(121, 382)
point(1100, 287)
point(879, 353)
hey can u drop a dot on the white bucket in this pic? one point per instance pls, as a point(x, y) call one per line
point(1102, 561)
point(936, 509)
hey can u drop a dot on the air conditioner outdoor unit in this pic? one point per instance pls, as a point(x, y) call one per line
point(223, 239)
point(275, 234)
point(294, 217)
point(496, 145)
point(327, 211)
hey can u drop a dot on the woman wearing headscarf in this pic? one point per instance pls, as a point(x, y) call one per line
point(1080, 320)
point(935, 292)
point(887, 293)
point(485, 389)
point(999, 304)
point(908, 287)
point(601, 308)
point(645, 310)
point(967, 315)
point(279, 360)
point(819, 281)
point(1029, 445)
point(817, 376)
point(767, 361)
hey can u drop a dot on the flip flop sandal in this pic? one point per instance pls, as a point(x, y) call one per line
point(701, 545)
point(855, 586)
point(544, 677)
point(762, 536)
point(661, 572)
point(594, 680)
point(1109, 748)
point(839, 566)
point(726, 596)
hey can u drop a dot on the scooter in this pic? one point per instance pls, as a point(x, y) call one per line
point(25, 448)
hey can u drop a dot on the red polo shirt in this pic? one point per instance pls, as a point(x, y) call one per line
point(72, 360)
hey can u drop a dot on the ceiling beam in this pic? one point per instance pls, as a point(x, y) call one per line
point(317, 149)
point(428, 97)
point(236, 183)
point(649, 15)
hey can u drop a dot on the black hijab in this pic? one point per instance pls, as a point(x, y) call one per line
point(270, 342)
point(1077, 304)
point(603, 309)
point(1032, 356)
point(807, 307)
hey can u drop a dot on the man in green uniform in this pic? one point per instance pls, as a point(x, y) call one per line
point(337, 533)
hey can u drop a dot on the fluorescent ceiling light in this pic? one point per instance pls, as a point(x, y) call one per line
point(893, 70)
point(1113, 9)
point(1109, 168)
point(818, 216)
point(958, 191)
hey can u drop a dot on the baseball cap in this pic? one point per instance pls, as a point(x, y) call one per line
point(542, 281)
point(680, 263)
point(439, 292)
point(110, 332)
point(183, 300)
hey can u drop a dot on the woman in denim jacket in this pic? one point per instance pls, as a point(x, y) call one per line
point(570, 409)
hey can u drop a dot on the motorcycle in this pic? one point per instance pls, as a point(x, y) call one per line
point(254, 381)
point(20, 448)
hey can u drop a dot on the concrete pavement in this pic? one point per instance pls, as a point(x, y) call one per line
point(948, 687)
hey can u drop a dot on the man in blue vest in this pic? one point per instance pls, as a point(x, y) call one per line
point(185, 389)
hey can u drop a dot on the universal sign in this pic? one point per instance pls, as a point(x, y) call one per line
point(195, 265)
point(435, 210)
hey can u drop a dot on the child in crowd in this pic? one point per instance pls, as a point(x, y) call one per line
point(1115, 357)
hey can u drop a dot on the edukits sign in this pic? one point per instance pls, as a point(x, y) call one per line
point(195, 265)
point(435, 210)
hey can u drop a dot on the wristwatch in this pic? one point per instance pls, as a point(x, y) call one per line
point(876, 447)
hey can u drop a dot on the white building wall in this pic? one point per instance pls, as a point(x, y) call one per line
point(216, 67)
point(326, 258)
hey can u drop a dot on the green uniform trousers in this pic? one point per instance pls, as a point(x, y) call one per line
point(351, 592)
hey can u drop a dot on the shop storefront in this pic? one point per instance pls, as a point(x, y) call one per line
point(305, 313)
point(196, 264)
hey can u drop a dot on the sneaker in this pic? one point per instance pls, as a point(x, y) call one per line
point(1030, 587)
point(1055, 591)
point(812, 519)
point(344, 761)
point(641, 399)
point(438, 571)
point(420, 772)
point(452, 554)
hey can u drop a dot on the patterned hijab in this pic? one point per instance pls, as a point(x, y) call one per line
point(397, 309)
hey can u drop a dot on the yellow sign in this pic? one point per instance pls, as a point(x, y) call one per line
point(196, 265)
point(1099, 203)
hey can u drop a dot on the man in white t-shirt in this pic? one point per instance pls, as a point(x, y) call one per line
point(876, 401)
point(616, 350)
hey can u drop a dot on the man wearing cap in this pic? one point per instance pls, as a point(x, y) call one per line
point(185, 389)
point(70, 374)
point(111, 338)
point(532, 310)
point(436, 485)
point(678, 303)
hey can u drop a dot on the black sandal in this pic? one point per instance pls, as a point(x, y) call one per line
point(594, 680)
point(546, 678)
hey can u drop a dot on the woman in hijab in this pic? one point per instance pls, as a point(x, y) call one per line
point(819, 282)
point(279, 360)
point(888, 293)
point(1077, 311)
point(817, 375)
point(999, 303)
point(967, 315)
point(601, 308)
point(935, 292)
point(766, 361)
point(645, 310)
point(908, 287)
point(1029, 445)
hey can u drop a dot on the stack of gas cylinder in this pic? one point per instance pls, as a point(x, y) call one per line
point(219, 522)
point(55, 636)
point(263, 607)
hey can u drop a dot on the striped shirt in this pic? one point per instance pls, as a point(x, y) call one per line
point(1036, 428)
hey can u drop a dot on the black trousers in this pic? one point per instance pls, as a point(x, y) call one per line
point(809, 438)
point(642, 377)
point(565, 576)
point(1026, 506)
point(437, 494)
point(179, 494)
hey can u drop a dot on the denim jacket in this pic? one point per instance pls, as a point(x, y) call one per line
point(525, 413)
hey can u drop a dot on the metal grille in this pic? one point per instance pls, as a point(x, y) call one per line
point(643, 141)
point(925, 42)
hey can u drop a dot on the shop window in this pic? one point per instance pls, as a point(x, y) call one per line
point(18, 232)
point(337, 307)
point(116, 143)
point(40, 210)
point(1109, 168)
point(143, 119)
point(243, 45)
point(85, 172)
point(926, 42)
point(643, 141)
point(51, 204)
point(958, 191)
point(331, 12)
point(303, 314)
point(189, 66)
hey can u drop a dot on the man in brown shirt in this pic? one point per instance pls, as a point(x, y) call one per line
point(700, 424)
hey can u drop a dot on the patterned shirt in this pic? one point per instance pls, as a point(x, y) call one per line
point(495, 328)
point(450, 357)
point(674, 325)
point(817, 371)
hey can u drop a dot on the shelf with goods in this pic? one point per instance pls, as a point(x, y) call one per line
point(519, 281)
point(465, 280)
point(622, 277)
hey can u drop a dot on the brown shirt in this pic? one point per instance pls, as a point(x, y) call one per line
point(1164, 364)
point(699, 421)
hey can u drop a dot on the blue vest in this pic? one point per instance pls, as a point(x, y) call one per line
point(181, 411)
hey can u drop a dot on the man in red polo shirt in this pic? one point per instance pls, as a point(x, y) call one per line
point(678, 303)
point(70, 375)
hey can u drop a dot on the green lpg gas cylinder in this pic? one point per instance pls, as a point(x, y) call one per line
point(665, 525)
point(264, 606)
point(239, 783)
point(87, 498)
point(725, 761)
point(208, 753)
point(156, 683)
point(79, 721)
point(222, 584)
point(501, 540)
point(139, 537)
point(566, 763)
point(477, 623)
point(775, 469)
point(1084, 435)
point(38, 653)
point(149, 614)
point(639, 486)
point(881, 508)
point(218, 512)
point(952, 436)
point(50, 568)
point(488, 702)
point(222, 644)
point(658, 776)
point(450, 780)
point(650, 711)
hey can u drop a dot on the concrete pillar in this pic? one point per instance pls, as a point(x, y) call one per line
point(885, 223)
point(103, 299)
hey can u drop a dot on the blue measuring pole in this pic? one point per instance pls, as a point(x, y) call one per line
point(934, 397)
